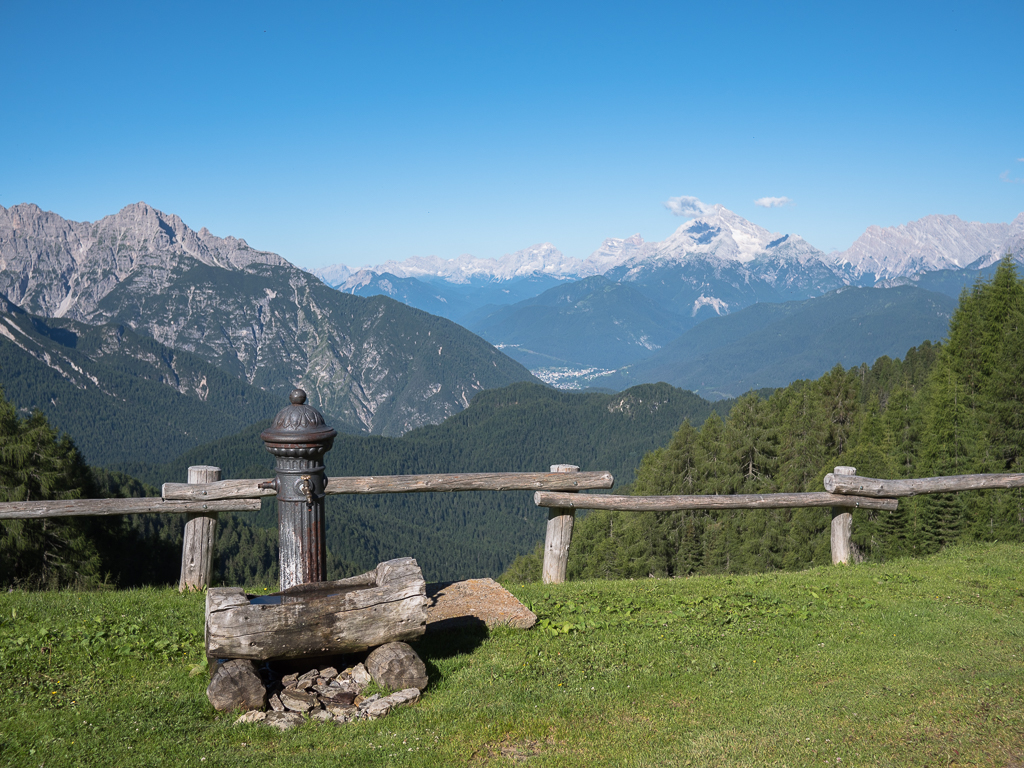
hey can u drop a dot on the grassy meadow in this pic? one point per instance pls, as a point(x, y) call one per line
point(907, 663)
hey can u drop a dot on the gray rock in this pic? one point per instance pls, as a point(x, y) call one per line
point(404, 698)
point(377, 708)
point(341, 713)
point(252, 716)
point(397, 666)
point(329, 674)
point(363, 703)
point(360, 676)
point(299, 701)
point(275, 703)
point(284, 720)
point(341, 699)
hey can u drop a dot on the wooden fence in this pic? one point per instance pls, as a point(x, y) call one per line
point(844, 489)
point(205, 495)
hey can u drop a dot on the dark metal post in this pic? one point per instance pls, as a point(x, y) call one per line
point(299, 438)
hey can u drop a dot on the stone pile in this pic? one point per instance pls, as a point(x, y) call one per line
point(324, 695)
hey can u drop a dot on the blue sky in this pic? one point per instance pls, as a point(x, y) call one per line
point(356, 133)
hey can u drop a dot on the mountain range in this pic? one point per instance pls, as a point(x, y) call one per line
point(882, 253)
point(138, 302)
point(625, 314)
point(372, 365)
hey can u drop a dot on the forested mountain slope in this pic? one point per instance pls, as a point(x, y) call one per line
point(772, 345)
point(520, 428)
point(123, 396)
point(953, 410)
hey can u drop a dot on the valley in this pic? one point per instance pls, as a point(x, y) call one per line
point(155, 347)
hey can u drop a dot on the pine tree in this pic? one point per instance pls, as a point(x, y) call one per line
point(804, 435)
point(1003, 389)
point(752, 440)
point(953, 447)
point(689, 555)
point(38, 464)
point(670, 470)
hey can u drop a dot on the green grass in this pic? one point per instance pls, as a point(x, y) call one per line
point(915, 662)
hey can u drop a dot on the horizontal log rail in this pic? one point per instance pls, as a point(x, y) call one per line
point(736, 501)
point(28, 510)
point(477, 481)
point(892, 489)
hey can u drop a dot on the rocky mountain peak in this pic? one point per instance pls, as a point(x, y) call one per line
point(930, 243)
point(61, 268)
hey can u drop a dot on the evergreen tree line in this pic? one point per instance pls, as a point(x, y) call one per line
point(950, 409)
point(37, 463)
point(520, 428)
point(523, 427)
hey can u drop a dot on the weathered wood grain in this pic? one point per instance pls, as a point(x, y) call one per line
point(397, 666)
point(236, 685)
point(222, 489)
point(738, 501)
point(475, 481)
point(842, 528)
point(892, 489)
point(559, 535)
point(200, 537)
point(382, 606)
point(18, 510)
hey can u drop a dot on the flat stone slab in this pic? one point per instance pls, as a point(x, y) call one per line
point(474, 602)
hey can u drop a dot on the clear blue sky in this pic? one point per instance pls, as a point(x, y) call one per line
point(359, 132)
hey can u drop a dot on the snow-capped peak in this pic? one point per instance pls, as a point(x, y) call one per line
point(719, 232)
point(542, 258)
point(614, 251)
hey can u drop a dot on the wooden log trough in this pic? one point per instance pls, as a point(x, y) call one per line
point(381, 606)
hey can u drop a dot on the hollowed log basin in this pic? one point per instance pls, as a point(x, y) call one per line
point(381, 606)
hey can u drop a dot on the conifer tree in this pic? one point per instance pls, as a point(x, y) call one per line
point(689, 554)
point(752, 439)
point(38, 464)
point(672, 469)
point(1003, 389)
point(953, 447)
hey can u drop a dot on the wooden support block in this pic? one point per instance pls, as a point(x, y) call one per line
point(200, 538)
point(236, 685)
point(843, 548)
point(559, 535)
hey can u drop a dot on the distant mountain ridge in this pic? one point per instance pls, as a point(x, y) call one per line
point(720, 262)
point(772, 345)
point(931, 243)
point(373, 365)
point(713, 265)
point(114, 389)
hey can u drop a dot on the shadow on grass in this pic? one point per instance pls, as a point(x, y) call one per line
point(444, 642)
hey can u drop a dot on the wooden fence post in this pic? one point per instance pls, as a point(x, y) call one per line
point(842, 526)
point(559, 536)
point(200, 538)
